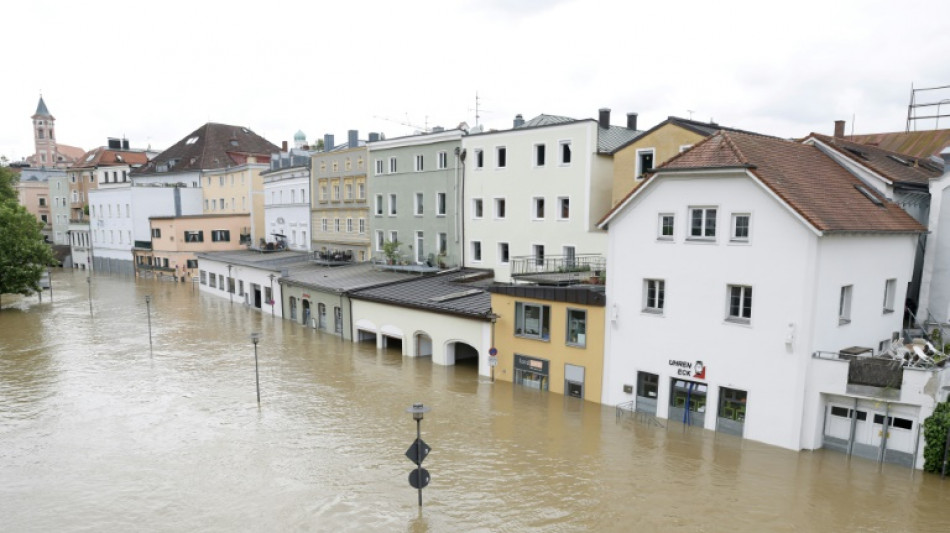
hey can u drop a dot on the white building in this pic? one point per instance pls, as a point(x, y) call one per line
point(247, 277)
point(287, 198)
point(744, 275)
point(533, 194)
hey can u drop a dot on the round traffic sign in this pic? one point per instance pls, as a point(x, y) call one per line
point(493, 351)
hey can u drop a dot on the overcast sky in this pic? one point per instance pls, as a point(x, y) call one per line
point(153, 75)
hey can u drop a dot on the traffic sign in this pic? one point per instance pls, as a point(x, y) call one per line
point(492, 360)
point(413, 453)
point(493, 351)
point(414, 478)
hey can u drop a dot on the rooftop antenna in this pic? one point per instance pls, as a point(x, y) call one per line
point(690, 111)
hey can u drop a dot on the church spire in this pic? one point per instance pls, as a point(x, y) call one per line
point(41, 110)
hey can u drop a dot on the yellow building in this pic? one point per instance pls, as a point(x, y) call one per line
point(653, 148)
point(177, 240)
point(550, 338)
point(238, 190)
point(339, 207)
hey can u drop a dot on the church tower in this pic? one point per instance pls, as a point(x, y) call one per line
point(44, 136)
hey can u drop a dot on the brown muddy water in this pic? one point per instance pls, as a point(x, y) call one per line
point(97, 435)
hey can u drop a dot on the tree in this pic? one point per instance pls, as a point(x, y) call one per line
point(23, 254)
point(935, 437)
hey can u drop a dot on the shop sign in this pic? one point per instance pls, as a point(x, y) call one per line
point(306, 295)
point(538, 366)
point(685, 368)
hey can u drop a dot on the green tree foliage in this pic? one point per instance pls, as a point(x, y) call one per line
point(23, 254)
point(935, 435)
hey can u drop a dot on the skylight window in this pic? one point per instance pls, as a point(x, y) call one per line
point(454, 295)
point(858, 153)
point(90, 157)
point(899, 160)
point(877, 201)
point(192, 140)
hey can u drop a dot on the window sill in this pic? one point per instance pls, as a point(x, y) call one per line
point(665, 239)
point(739, 241)
point(575, 345)
point(844, 321)
point(739, 321)
point(533, 338)
point(888, 311)
point(652, 311)
point(701, 240)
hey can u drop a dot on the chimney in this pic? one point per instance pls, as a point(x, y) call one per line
point(519, 121)
point(353, 138)
point(327, 142)
point(604, 117)
point(283, 146)
point(114, 144)
point(839, 129)
point(373, 136)
point(631, 121)
point(125, 143)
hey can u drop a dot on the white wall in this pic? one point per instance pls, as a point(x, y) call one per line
point(250, 276)
point(443, 329)
point(160, 202)
point(935, 278)
point(112, 231)
point(795, 278)
point(521, 180)
point(283, 216)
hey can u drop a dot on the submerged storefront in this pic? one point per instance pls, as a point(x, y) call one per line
point(532, 372)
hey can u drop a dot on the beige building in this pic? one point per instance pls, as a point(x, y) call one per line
point(653, 148)
point(177, 240)
point(340, 210)
point(238, 190)
point(34, 196)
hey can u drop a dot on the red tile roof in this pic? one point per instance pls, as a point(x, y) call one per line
point(820, 190)
point(107, 157)
point(915, 143)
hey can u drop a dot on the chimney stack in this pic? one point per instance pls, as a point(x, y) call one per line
point(373, 136)
point(604, 117)
point(519, 121)
point(327, 142)
point(353, 138)
point(283, 146)
point(839, 129)
point(125, 143)
point(631, 121)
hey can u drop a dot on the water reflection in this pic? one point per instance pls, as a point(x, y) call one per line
point(98, 436)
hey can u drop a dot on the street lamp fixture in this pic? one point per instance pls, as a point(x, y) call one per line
point(148, 312)
point(418, 451)
point(256, 338)
point(89, 283)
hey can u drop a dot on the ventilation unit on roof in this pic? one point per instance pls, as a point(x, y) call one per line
point(869, 195)
point(455, 295)
point(899, 160)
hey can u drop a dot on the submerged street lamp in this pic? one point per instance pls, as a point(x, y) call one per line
point(148, 313)
point(271, 294)
point(419, 450)
point(255, 338)
point(89, 282)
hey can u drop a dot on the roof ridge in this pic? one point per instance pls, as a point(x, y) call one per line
point(733, 146)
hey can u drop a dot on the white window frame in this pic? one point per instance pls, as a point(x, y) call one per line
point(478, 159)
point(379, 208)
point(362, 226)
point(325, 224)
point(504, 257)
point(392, 204)
point(495, 203)
point(349, 225)
point(441, 243)
point(638, 170)
point(418, 163)
point(734, 227)
point(890, 293)
point(419, 204)
point(476, 248)
point(580, 342)
point(534, 155)
point(703, 228)
point(441, 204)
point(380, 240)
point(420, 247)
point(392, 165)
point(501, 153)
point(560, 210)
point(655, 303)
point(393, 236)
point(380, 165)
point(744, 293)
point(478, 208)
point(534, 208)
point(442, 161)
point(560, 153)
point(660, 219)
point(844, 304)
point(538, 259)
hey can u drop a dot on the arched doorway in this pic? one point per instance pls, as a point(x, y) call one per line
point(423, 344)
point(306, 312)
point(460, 353)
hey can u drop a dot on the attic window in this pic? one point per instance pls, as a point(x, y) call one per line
point(90, 157)
point(119, 158)
point(245, 130)
point(234, 142)
point(877, 201)
point(192, 140)
point(454, 295)
point(858, 153)
point(899, 160)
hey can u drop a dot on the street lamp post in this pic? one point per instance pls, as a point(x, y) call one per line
point(230, 292)
point(49, 275)
point(89, 283)
point(271, 294)
point(255, 338)
point(148, 313)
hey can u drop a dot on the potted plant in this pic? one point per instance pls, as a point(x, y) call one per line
point(391, 251)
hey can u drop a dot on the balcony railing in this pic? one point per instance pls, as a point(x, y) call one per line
point(406, 263)
point(143, 245)
point(560, 269)
point(332, 257)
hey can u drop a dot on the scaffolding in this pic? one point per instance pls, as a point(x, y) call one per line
point(915, 107)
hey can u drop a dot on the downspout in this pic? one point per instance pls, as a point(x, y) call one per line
point(351, 311)
point(341, 316)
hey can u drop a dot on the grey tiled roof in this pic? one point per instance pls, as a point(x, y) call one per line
point(609, 139)
point(266, 261)
point(545, 120)
point(342, 278)
point(428, 292)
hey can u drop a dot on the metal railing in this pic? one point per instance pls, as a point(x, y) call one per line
point(581, 266)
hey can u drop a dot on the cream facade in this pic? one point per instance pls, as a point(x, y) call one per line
point(175, 241)
point(238, 190)
point(339, 208)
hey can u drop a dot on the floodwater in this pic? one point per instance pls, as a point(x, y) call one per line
point(98, 435)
